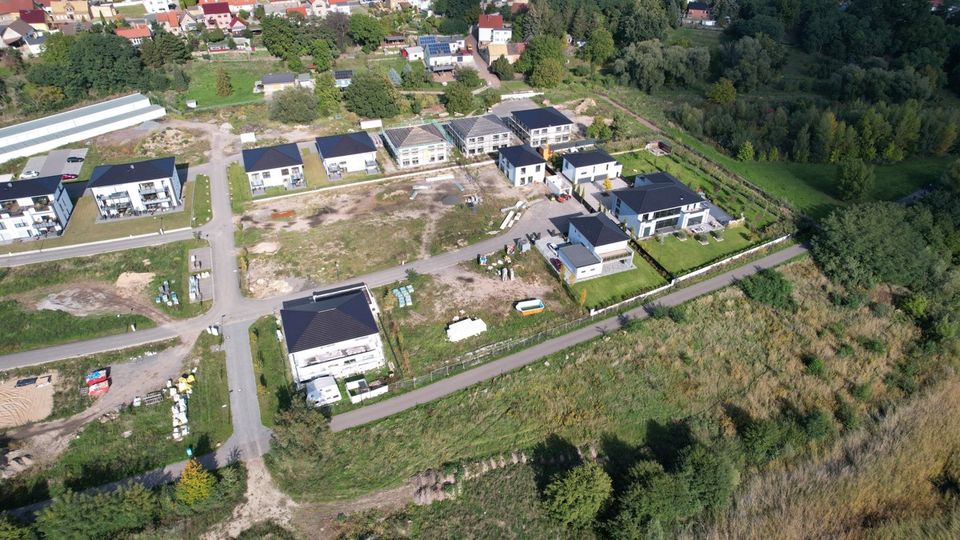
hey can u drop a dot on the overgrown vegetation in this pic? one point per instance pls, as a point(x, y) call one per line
point(23, 329)
point(270, 367)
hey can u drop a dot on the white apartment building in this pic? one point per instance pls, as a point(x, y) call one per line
point(33, 208)
point(135, 189)
point(417, 145)
point(539, 127)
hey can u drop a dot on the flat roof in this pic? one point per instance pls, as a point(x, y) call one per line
point(578, 255)
point(70, 115)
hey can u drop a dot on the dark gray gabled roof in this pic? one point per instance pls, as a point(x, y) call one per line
point(414, 135)
point(541, 118)
point(477, 126)
point(35, 187)
point(586, 159)
point(278, 78)
point(599, 230)
point(521, 155)
point(271, 157)
point(348, 144)
point(655, 192)
point(152, 169)
point(327, 317)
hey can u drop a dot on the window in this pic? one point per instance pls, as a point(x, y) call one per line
point(295, 170)
point(523, 170)
point(538, 168)
point(255, 177)
point(266, 175)
point(284, 172)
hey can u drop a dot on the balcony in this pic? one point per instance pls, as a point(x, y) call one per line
point(336, 354)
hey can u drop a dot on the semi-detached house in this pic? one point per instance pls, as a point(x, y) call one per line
point(273, 166)
point(521, 164)
point(538, 127)
point(590, 166)
point(133, 189)
point(417, 145)
point(33, 208)
point(596, 247)
point(347, 153)
point(476, 135)
point(658, 203)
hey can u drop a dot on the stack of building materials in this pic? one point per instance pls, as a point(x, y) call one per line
point(403, 295)
point(97, 382)
point(180, 391)
point(465, 328)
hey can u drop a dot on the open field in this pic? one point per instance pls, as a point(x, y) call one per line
point(609, 289)
point(271, 369)
point(137, 439)
point(680, 256)
point(127, 278)
point(22, 328)
point(243, 75)
point(329, 236)
point(729, 355)
point(190, 147)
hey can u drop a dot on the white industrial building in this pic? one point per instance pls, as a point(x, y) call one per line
point(44, 134)
point(332, 332)
point(33, 208)
point(134, 189)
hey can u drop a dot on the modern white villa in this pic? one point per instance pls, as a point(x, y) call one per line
point(135, 189)
point(332, 332)
point(590, 166)
point(273, 166)
point(545, 125)
point(596, 247)
point(347, 153)
point(477, 135)
point(657, 203)
point(33, 208)
point(521, 164)
point(417, 145)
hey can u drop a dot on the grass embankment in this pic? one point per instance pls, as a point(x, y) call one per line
point(202, 204)
point(167, 262)
point(239, 188)
point(138, 440)
point(730, 354)
point(680, 256)
point(24, 329)
point(274, 382)
point(605, 290)
point(67, 399)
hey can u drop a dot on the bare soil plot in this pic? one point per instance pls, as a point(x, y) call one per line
point(28, 403)
point(330, 236)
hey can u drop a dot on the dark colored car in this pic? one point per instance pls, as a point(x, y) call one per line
point(74, 159)
point(556, 264)
point(68, 176)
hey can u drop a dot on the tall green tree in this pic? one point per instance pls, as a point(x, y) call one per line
point(468, 77)
point(322, 54)
point(547, 74)
point(293, 106)
point(599, 129)
point(599, 47)
point(653, 502)
point(502, 68)
point(195, 485)
point(328, 95)
point(224, 84)
point(951, 176)
point(366, 31)
point(722, 92)
point(576, 497)
point(854, 179)
point(372, 96)
point(457, 98)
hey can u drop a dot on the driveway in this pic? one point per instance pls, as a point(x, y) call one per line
point(482, 68)
point(55, 163)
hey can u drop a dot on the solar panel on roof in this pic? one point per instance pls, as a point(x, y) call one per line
point(427, 40)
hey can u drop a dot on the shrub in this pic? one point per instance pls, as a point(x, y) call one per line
point(195, 484)
point(872, 345)
point(771, 288)
point(845, 350)
point(916, 305)
point(846, 414)
point(677, 314)
point(294, 106)
point(817, 425)
point(710, 474)
point(815, 366)
point(575, 498)
point(861, 392)
point(764, 440)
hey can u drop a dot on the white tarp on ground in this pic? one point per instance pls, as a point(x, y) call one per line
point(465, 328)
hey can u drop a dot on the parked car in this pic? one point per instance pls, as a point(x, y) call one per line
point(30, 174)
point(556, 264)
point(68, 176)
point(74, 159)
point(563, 197)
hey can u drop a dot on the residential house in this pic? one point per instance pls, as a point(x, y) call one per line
point(417, 145)
point(697, 11)
point(322, 391)
point(34, 44)
point(159, 6)
point(273, 166)
point(453, 43)
point(445, 53)
point(33, 208)
point(236, 6)
point(345, 7)
point(279, 7)
point(596, 247)
point(237, 26)
point(13, 33)
point(136, 34)
point(271, 83)
point(217, 15)
point(521, 164)
point(36, 18)
point(591, 166)
point(332, 332)
point(347, 153)
point(421, 5)
point(10, 9)
point(477, 135)
point(510, 51)
point(169, 21)
point(132, 189)
point(188, 23)
point(412, 53)
point(67, 11)
point(342, 78)
point(538, 127)
point(102, 12)
point(301, 10)
point(657, 203)
point(490, 29)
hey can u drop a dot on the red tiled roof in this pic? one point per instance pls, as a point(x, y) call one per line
point(491, 21)
point(237, 20)
point(133, 32)
point(172, 18)
point(33, 16)
point(301, 10)
point(217, 8)
point(15, 6)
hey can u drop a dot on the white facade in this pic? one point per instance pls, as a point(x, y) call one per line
point(341, 359)
point(591, 173)
point(648, 224)
point(30, 217)
point(153, 6)
point(521, 175)
point(579, 270)
point(414, 53)
point(142, 197)
point(322, 391)
point(278, 177)
point(351, 163)
point(576, 237)
point(548, 135)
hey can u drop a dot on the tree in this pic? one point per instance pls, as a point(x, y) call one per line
point(599, 129)
point(214, 36)
point(710, 475)
point(10, 530)
point(642, 20)
point(599, 47)
point(769, 287)
point(468, 77)
point(490, 97)
point(366, 31)
point(854, 179)
point(540, 49)
point(224, 85)
point(328, 95)
point(745, 153)
point(722, 92)
point(372, 96)
point(951, 177)
point(195, 484)
point(293, 106)
point(415, 75)
point(322, 54)
point(654, 500)
point(575, 498)
point(502, 68)
point(748, 63)
point(458, 99)
point(547, 74)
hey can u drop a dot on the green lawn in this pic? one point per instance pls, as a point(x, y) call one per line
point(607, 290)
point(239, 188)
point(696, 37)
point(23, 329)
point(274, 382)
point(102, 453)
point(202, 205)
point(243, 75)
point(132, 11)
point(679, 256)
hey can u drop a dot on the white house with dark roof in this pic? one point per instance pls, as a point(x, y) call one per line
point(271, 83)
point(347, 153)
point(33, 208)
point(417, 145)
point(342, 78)
point(332, 332)
point(521, 164)
point(596, 247)
point(545, 125)
point(477, 135)
point(591, 166)
point(658, 203)
point(133, 189)
point(273, 166)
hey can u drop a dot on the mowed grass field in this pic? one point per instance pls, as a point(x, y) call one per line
point(610, 289)
point(680, 256)
point(243, 75)
point(729, 353)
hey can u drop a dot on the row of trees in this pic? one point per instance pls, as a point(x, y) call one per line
point(651, 65)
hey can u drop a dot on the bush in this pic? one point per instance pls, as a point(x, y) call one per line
point(294, 106)
point(771, 288)
point(817, 425)
point(872, 345)
point(847, 415)
point(815, 366)
point(575, 498)
point(677, 314)
point(861, 392)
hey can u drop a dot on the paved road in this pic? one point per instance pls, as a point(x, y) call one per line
point(439, 389)
point(84, 348)
point(482, 68)
point(86, 250)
